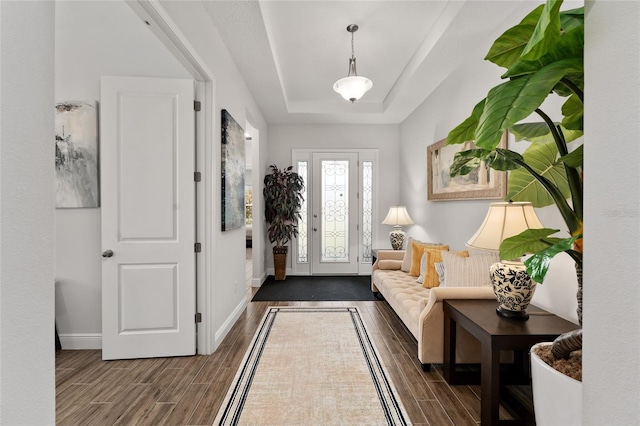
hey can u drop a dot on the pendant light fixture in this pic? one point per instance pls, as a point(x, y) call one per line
point(352, 87)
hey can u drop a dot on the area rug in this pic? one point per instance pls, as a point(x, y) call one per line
point(311, 366)
point(316, 288)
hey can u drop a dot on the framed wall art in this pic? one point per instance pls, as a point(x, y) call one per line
point(76, 139)
point(233, 162)
point(482, 183)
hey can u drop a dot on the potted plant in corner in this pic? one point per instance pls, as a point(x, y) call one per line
point(543, 54)
point(282, 202)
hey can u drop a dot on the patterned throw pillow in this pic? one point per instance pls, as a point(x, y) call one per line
point(433, 257)
point(416, 255)
point(472, 271)
point(406, 261)
point(440, 271)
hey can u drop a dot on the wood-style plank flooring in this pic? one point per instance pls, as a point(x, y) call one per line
point(189, 390)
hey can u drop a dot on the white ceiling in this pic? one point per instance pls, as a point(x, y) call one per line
point(291, 52)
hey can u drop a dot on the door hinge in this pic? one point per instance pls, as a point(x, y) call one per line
point(197, 247)
point(198, 317)
point(197, 105)
point(197, 176)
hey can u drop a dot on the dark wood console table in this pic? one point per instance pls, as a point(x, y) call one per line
point(497, 334)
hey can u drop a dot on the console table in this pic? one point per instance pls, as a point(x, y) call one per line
point(497, 334)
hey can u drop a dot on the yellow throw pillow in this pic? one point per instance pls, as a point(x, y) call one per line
point(417, 250)
point(434, 256)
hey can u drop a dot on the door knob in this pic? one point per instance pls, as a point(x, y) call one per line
point(107, 253)
point(315, 229)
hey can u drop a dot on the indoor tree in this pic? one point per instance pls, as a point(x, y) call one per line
point(282, 202)
point(543, 55)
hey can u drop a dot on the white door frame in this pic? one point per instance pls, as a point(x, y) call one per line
point(371, 155)
point(151, 12)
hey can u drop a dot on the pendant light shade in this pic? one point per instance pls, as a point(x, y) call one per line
point(352, 87)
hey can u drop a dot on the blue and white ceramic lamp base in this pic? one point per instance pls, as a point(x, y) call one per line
point(514, 289)
point(397, 239)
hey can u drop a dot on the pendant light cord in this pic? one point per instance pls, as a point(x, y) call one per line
point(352, 50)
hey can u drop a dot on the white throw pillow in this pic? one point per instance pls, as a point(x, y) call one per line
point(472, 271)
point(423, 268)
point(408, 251)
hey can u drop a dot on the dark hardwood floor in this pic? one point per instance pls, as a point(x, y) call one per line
point(189, 390)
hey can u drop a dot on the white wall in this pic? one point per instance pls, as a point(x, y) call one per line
point(612, 214)
point(384, 137)
point(94, 39)
point(27, 381)
point(231, 93)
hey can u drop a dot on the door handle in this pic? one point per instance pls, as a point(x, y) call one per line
point(107, 253)
point(315, 229)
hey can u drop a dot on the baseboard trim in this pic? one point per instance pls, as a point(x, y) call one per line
point(76, 341)
point(257, 282)
point(226, 326)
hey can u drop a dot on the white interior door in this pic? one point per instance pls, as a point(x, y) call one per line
point(147, 149)
point(334, 213)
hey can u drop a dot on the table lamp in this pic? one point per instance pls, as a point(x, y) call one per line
point(512, 285)
point(397, 217)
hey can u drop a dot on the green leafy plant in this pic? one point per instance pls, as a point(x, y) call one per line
point(543, 55)
point(282, 202)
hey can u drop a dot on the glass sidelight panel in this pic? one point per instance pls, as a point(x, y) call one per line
point(303, 240)
point(367, 210)
point(334, 244)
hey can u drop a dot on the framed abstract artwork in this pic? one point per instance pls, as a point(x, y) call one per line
point(482, 183)
point(76, 139)
point(233, 162)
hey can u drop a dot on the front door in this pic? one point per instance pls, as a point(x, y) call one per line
point(334, 213)
point(147, 149)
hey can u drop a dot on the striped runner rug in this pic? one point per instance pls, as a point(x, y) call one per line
point(312, 366)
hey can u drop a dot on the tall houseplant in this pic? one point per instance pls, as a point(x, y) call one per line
point(543, 54)
point(282, 202)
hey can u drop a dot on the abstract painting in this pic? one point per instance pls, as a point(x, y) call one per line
point(233, 161)
point(76, 154)
point(481, 183)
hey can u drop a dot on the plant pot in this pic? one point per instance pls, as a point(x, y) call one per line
point(280, 262)
point(557, 398)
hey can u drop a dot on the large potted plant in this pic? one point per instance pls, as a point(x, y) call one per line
point(543, 56)
point(282, 202)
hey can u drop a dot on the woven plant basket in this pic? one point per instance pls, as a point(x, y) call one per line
point(280, 262)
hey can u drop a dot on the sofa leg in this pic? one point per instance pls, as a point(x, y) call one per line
point(426, 367)
point(377, 295)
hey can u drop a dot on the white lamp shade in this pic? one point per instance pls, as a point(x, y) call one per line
point(352, 88)
point(397, 216)
point(504, 220)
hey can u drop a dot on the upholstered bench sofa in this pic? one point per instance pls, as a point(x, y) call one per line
point(420, 308)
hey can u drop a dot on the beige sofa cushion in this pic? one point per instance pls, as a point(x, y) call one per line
point(390, 264)
point(405, 296)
